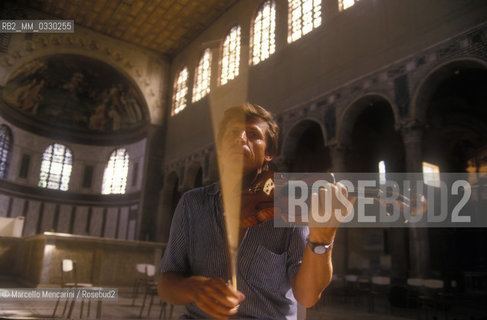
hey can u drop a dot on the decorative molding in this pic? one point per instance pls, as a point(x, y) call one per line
point(81, 44)
point(66, 197)
point(181, 164)
point(471, 43)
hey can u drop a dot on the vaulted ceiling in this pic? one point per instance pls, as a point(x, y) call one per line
point(166, 26)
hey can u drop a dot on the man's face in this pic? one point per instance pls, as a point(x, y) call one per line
point(247, 142)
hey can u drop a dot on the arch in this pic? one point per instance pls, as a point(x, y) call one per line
point(290, 140)
point(426, 86)
point(374, 139)
point(451, 104)
point(193, 176)
point(306, 138)
point(348, 117)
point(450, 101)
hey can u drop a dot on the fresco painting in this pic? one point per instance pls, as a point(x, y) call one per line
point(75, 92)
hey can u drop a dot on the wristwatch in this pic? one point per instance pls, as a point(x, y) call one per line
point(319, 248)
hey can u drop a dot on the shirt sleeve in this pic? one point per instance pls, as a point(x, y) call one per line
point(297, 245)
point(175, 257)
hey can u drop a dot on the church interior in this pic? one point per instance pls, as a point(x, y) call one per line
point(105, 124)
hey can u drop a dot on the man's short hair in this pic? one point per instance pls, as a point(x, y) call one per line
point(249, 111)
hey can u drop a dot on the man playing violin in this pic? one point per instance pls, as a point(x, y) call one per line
point(277, 267)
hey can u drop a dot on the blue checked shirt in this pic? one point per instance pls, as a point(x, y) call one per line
point(268, 257)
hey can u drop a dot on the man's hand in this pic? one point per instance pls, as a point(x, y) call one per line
point(325, 212)
point(217, 298)
point(328, 207)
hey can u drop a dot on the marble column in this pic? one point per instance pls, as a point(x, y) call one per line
point(146, 224)
point(338, 154)
point(412, 134)
point(340, 252)
point(164, 213)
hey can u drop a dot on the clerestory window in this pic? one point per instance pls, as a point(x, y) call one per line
point(230, 61)
point(180, 92)
point(264, 33)
point(202, 76)
point(303, 17)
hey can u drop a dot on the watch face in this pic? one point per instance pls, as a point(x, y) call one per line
point(320, 249)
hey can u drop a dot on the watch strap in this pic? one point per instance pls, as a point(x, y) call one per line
point(319, 248)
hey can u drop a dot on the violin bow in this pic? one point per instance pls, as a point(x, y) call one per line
point(230, 186)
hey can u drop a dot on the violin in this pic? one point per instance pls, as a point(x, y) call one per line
point(258, 200)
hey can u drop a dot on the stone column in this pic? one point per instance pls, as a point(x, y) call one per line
point(164, 213)
point(149, 200)
point(412, 134)
point(338, 155)
point(340, 252)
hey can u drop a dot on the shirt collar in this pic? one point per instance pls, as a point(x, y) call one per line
point(214, 189)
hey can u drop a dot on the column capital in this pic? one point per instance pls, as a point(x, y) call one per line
point(411, 130)
point(410, 125)
point(412, 135)
point(339, 148)
point(338, 154)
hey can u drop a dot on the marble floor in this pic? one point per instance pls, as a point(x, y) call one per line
point(123, 309)
point(331, 309)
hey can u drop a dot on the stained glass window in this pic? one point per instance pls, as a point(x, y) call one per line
point(115, 175)
point(202, 76)
point(180, 91)
point(5, 143)
point(56, 167)
point(229, 66)
point(263, 33)
point(345, 4)
point(303, 16)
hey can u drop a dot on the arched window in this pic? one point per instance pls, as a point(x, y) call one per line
point(264, 32)
point(115, 175)
point(345, 4)
point(230, 61)
point(303, 16)
point(56, 165)
point(5, 144)
point(180, 91)
point(202, 76)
